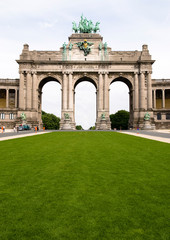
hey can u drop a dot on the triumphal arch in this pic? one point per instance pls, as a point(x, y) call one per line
point(86, 57)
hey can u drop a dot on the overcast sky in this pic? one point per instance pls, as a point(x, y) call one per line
point(46, 25)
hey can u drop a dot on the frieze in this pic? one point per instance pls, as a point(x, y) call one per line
point(83, 66)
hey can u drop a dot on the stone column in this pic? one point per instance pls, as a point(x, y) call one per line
point(29, 90)
point(100, 91)
point(163, 98)
point(154, 98)
point(142, 91)
point(16, 97)
point(35, 92)
point(64, 91)
point(74, 105)
point(106, 93)
point(7, 98)
point(67, 122)
point(136, 93)
point(149, 92)
point(21, 92)
point(70, 79)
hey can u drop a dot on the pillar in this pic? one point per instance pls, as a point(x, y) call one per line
point(142, 91)
point(106, 93)
point(35, 91)
point(16, 97)
point(70, 79)
point(100, 91)
point(136, 93)
point(21, 92)
point(154, 98)
point(29, 90)
point(64, 91)
point(163, 98)
point(149, 92)
point(7, 98)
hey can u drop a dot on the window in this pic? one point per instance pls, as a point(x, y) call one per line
point(11, 116)
point(2, 115)
point(168, 116)
point(158, 116)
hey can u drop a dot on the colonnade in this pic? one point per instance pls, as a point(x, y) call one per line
point(163, 98)
point(7, 90)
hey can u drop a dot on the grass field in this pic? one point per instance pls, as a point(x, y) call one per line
point(84, 186)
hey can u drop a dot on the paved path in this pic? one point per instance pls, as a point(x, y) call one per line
point(13, 135)
point(158, 135)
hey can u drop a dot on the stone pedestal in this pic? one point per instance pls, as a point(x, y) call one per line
point(24, 122)
point(103, 124)
point(147, 125)
point(67, 124)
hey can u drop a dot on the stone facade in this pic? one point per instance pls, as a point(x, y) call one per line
point(69, 66)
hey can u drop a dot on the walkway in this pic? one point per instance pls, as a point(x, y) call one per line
point(158, 135)
point(13, 135)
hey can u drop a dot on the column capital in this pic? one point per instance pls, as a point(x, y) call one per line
point(142, 72)
point(22, 72)
point(66, 72)
point(149, 72)
point(33, 72)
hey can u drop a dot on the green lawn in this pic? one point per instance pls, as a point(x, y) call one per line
point(83, 186)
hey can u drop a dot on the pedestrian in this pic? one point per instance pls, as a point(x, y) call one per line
point(14, 129)
point(3, 128)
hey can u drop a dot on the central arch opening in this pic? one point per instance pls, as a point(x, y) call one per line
point(85, 103)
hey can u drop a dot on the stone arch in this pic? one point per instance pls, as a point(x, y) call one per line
point(87, 78)
point(123, 79)
point(45, 79)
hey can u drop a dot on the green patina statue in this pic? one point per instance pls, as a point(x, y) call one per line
point(70, 46)
point(23, 116)
point(147, 116)
point(105, 46)
point(85, 26)
point(66, 116)
point(64, 47)
point(103, 116)
point(85, 46)
point(100, 46)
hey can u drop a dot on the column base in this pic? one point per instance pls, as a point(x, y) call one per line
point(67, 124)
point(103, 124)
point(148, 126)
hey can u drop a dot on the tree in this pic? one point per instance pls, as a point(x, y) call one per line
point(50, 121)
point(120, 120)
point(92, 128)
point(79, 127)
